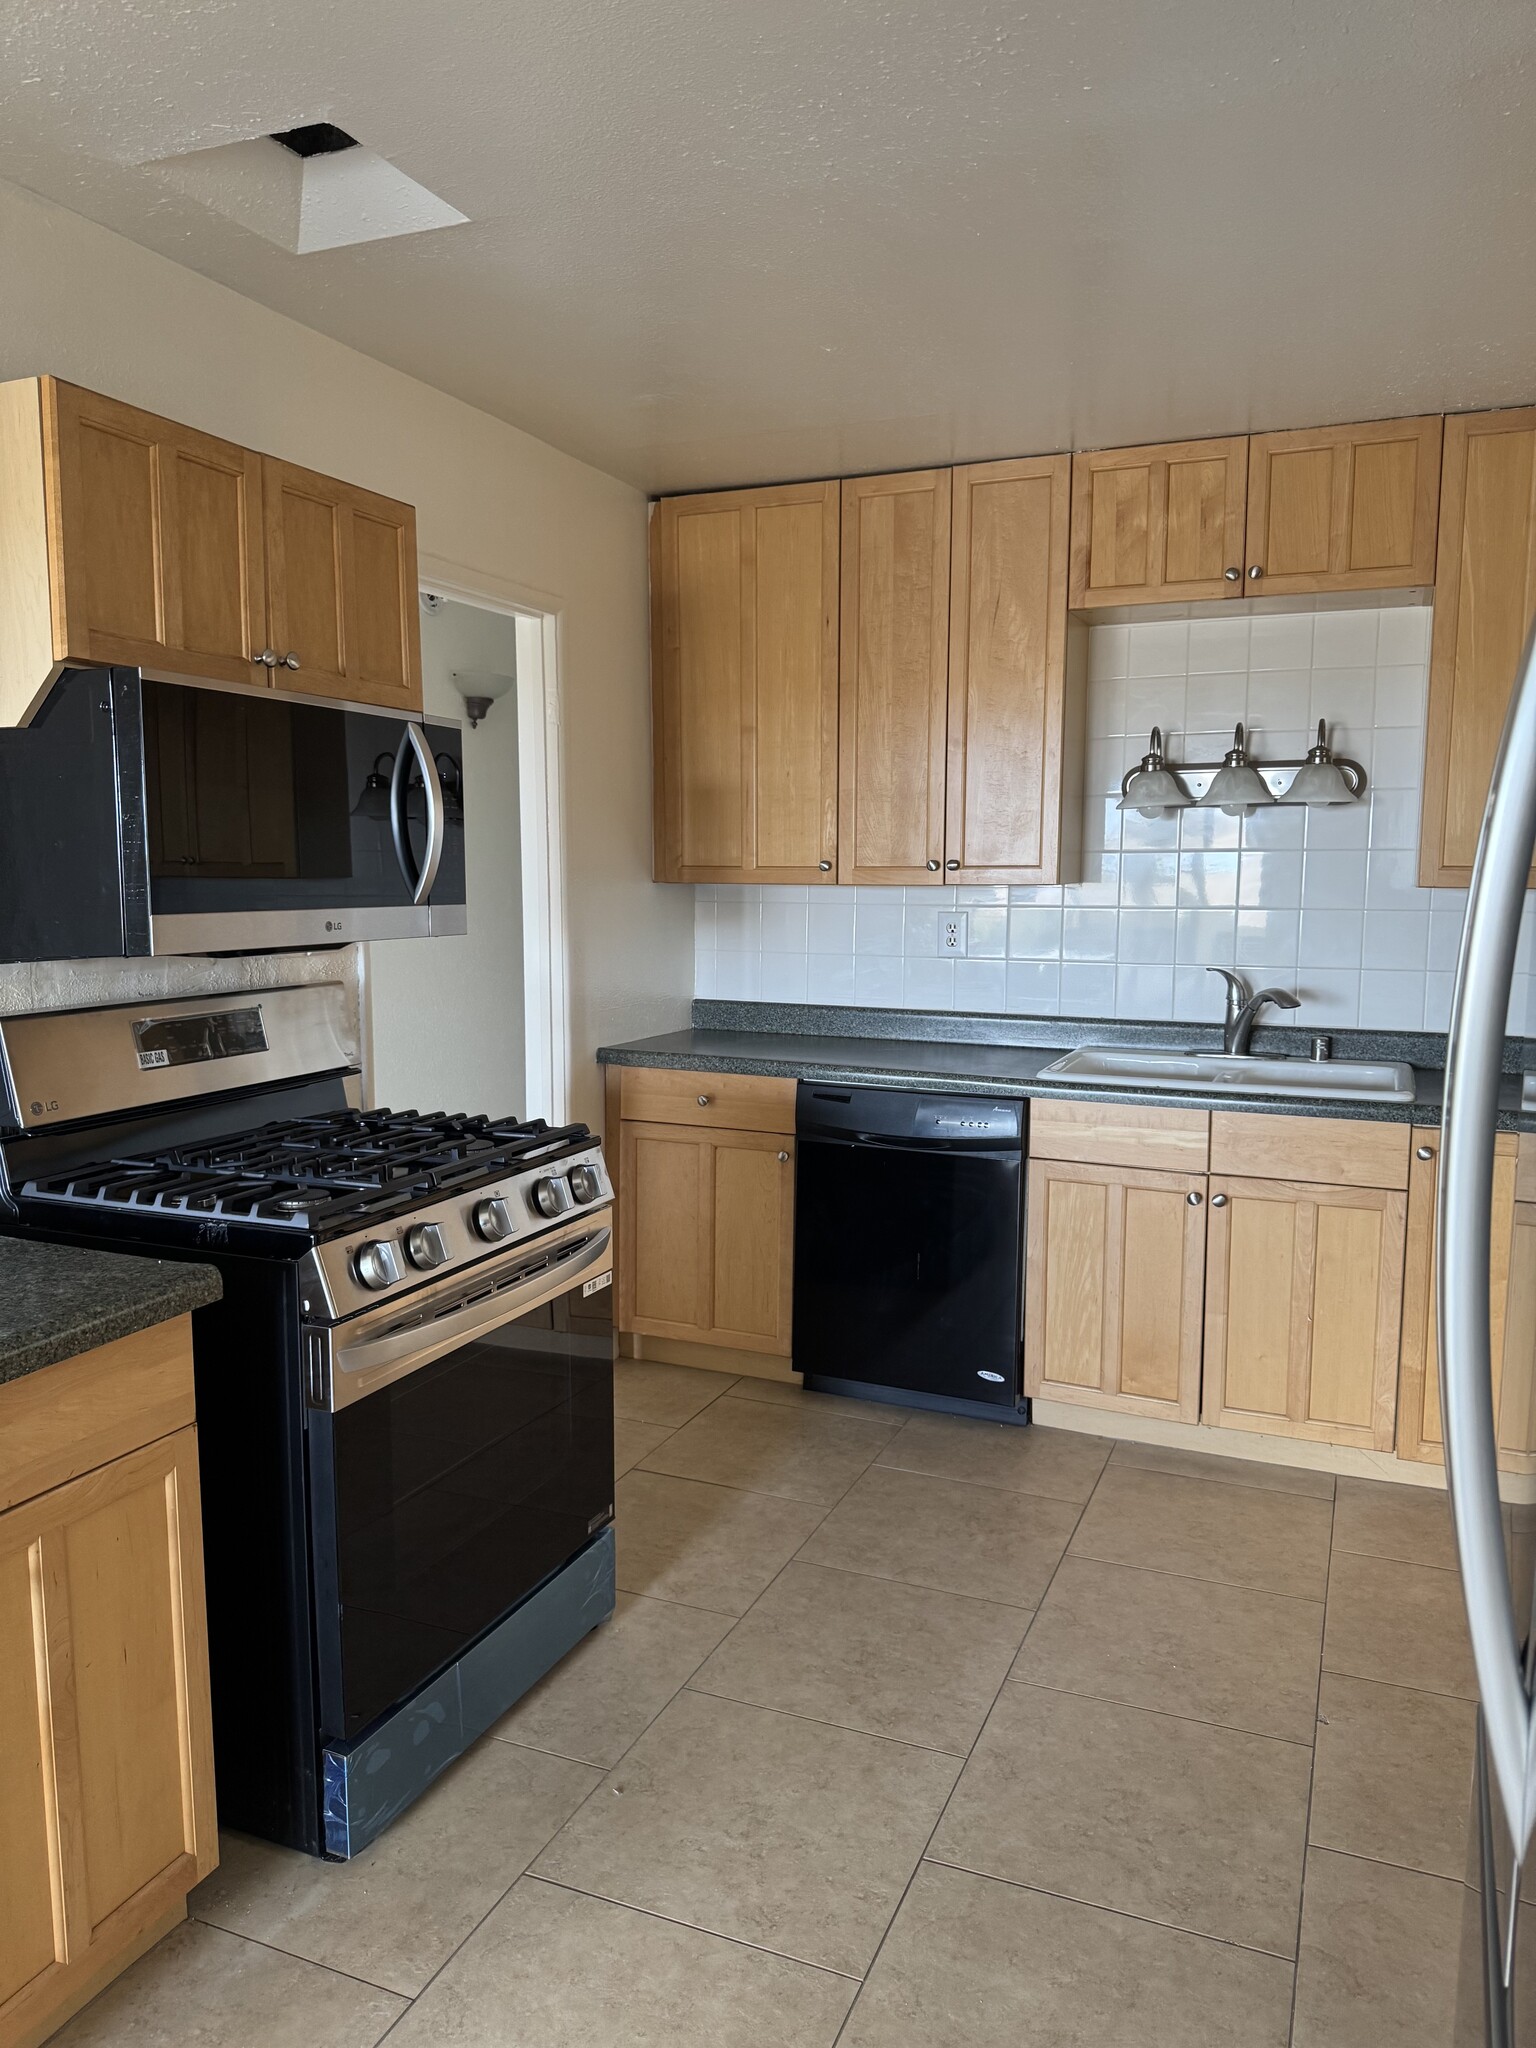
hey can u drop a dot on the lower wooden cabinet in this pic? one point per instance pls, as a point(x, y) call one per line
point(1303, 1303)
point(106, 1762)
point(1114, 1282)
point(706, 1238)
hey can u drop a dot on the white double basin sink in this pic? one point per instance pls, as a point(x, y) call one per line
point(1216, 1073)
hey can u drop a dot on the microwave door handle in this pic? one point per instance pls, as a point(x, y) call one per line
point(399, 828)
point(413, 748)
point(1463, 1220)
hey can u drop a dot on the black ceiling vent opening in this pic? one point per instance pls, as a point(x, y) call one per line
point(319, 139)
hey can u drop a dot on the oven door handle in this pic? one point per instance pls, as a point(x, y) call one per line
point(413, 742)
point(343, 1368)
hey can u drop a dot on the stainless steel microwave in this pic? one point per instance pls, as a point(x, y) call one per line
point(142, 817)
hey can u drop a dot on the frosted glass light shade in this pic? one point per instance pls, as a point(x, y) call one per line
point(1319, 783)
point(1152, 791)
point(1237, 789)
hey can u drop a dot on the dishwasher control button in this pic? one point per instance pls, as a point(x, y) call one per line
point(550, 1195)
point(376, 1265)
point(492, 1220)
point(586, 1183)
point(425, 1246)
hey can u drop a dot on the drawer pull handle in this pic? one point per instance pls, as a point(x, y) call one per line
point(1218, 1201)
point(1194, 1199)
point(1425, 1152)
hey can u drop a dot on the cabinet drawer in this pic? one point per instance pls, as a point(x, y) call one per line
point(737, 1102)
point(1120, 1134)
point(1341, 1152)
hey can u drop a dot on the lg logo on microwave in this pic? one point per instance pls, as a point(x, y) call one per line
point(38, 1108)
point(333, 924)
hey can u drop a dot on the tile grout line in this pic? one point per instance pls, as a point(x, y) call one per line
point(757, 1948)
point(939, 1821)
point(1164, 1713)
point(1306, 1835)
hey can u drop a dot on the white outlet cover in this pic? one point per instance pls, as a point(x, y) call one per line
point(952, 933)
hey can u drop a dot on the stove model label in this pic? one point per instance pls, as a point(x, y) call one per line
point(154, 1059)
point(595, 1286)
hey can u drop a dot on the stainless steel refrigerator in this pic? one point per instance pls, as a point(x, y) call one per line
point(1495, 1531)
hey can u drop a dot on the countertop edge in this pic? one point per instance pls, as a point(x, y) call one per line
point(83, 1326)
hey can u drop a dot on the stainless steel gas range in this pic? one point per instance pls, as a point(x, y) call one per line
point(404, 1396)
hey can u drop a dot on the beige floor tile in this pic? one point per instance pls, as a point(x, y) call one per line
point(1403, 1624)
point(789, 1394)
point(971, 1963)
point(795, 1837)
point(1382, 1520)
point(397, 1911)
point(947, 1534)
point(646, 1390)
point(1226, 1471)
point(707, 1546)
point(1273, 1542)
point(799, 1454)
point(554, 1969)
point(1056, 1462)
point(205, 1987)
point(1394, 1774)
point(1380, 1950)
point(634, 1440)
point(1185, 1646)
point(611, 1687)
point(1198, 1827)
point(871, 1654)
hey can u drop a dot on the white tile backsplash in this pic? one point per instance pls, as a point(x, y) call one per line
point(1324, 902)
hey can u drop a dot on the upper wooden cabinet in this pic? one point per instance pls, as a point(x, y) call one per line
point(1015, 702)
point(1158, 525)
point(1328, 509)
point(745, 674)
point(1485, 598)
point(127, 538)
point(895, 677)
point(1343, 508)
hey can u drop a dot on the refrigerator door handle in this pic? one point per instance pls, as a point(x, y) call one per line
point(1463, 1223)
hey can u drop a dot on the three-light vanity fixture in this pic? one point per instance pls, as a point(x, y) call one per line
point(1238, 785)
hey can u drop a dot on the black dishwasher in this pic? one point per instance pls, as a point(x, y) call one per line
point(909, 1214)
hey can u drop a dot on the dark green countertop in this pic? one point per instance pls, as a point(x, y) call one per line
point(58, 1300)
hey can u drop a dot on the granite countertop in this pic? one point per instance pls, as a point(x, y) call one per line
point(954, 1065)
point(57, 1300)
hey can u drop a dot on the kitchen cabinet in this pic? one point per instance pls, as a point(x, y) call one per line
point(1016, 677)
point(1485, 599)
point(744, 589)
point(1343, 508)
point(1114, 1286)
point(1303, 1300)
point(1158, 525)
point(894, 683)
point(106, 1770)
point(1510, 1305)
point(127, 538)
point(706, 1242)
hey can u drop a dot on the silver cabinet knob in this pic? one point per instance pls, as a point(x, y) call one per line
point(783, 1159)
point(375, 1265)
point(825, 866)
point(1218, 1201)
point(951, 865)
point(1233, 575)
point(266, 659)
point(425, 1246)
point(703, 1102)
point(290, 661)
point(933, 867)
point(1425, 1152)
point(492, 1220)
point(1194, 1198)
point(1254, 573)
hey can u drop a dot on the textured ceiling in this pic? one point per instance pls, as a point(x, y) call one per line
point(720, 241)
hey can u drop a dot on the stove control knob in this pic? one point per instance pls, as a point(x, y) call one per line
point(586, 1185)
point(375, 1265)
point(550, 1195)
point(492, 1220)
point(425, 1246)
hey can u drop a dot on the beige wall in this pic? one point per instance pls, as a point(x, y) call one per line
point(504, 510)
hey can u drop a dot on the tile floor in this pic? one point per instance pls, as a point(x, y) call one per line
point(908, 1733)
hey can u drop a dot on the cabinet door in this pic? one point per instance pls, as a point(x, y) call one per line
point(343, 606)
point(752, 1258)
point(1418, 1402)
point(158, 559)
point(1155, 525)
point(744, 659)
point(1304, 1289)
point(1485, 598)
point(894, 677)
point(107, 1763)
point(1114, 1282)
point(1344, 508)
point(1015, 714)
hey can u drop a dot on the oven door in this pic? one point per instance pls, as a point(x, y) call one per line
point(460, 1450)
point(271, 823)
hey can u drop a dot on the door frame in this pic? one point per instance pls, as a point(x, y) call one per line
point(539, 617)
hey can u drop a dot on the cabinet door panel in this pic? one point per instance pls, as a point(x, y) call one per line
point(894, 678)
point(384, 608)
point(207, 611)
point(30, 1942)
point(1344, 508)
point(1113, 1277)
point(1015, 715)
point(792, 582)
point(304, 569)
point(1485, 598)
point(664, 1280)
point(754, 1187)
point(1303, 1307)
point(1158, 524)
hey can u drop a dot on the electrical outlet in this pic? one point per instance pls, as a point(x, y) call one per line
point(952, 925)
